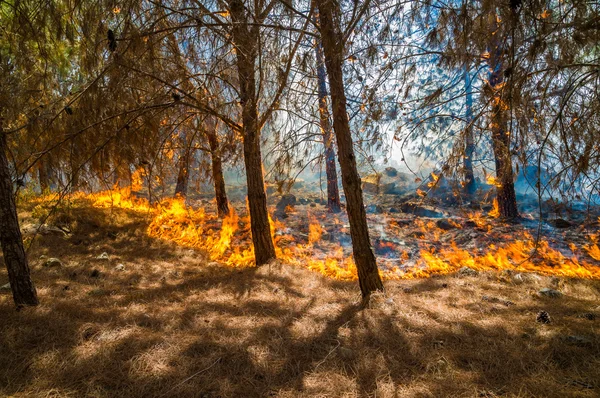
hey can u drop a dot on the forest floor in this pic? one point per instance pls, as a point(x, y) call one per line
point(154, 319)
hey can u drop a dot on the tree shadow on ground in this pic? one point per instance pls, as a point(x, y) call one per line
point(177, 327)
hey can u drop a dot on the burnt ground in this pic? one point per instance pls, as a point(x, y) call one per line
point(153, 319)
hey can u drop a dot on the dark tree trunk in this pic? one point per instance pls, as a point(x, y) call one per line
point(183, 176)
point(21, 285)
point(368, 274)
point(246, 48)
point(507, 199)
point(116, 179)
point(217, 174)
point(74, 169)
point(333, 191)
point(44, 174)
point(74, 179)
point(470, 185)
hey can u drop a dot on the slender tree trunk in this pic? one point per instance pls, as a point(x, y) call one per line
point(73, 175)
point(43, 177)
point(368, 274)
point(507, 199)
point(15, 259)
point(217, 173)
point(470, 185)
point(116, 179)
point(183, 176)
point(45, 173)
point(74, 179)
point(333, 191)
point(246, 48)
point(128, 176)
point(506, 196)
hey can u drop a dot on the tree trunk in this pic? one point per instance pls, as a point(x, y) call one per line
point(44, 174)
point(183, 176)
point(21, 285)
point(246, 42)
point(116, 179)
point(333, 191)
point(217, 174)
point(368, 274)
point(507, 200)
point(470, 185)
point(74, 169)
point(74, 179)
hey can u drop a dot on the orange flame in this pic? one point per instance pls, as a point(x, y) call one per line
point(315, 231)
point(137, 180)
point(491, 180)
point(228, 241)
point(495, 212)
point(434, 180)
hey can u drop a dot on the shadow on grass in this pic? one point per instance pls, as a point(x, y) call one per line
point(187, 330)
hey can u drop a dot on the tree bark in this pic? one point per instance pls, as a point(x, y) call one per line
point(44, 172)
point(507, 199)
point(470, 185)
point(246, 42)
point(368, 274)
point(74, 169)
point(333, 191)
point(22, 287)
point(73, 178)
point(506, 196)
point(217, 174)
point(183, 176)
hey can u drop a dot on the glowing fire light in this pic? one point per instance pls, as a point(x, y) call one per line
point(137, 179)
point(491, 180)
point(495, 212)
point(228, 242)
point(434, 180)
point(315, 231)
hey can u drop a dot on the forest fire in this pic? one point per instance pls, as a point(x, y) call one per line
point(296, 199)
point(432, 250)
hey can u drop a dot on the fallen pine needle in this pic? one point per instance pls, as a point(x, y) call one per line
point(191, 377)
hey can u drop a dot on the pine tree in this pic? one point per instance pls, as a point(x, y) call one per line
point(368, 274)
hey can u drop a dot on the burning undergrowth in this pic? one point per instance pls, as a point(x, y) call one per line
point(142, 304)
point(406, 246)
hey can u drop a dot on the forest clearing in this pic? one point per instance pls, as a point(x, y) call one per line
point(307, 198)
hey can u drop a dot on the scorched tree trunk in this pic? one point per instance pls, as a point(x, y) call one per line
point(470, 185)
point(246, 49)
point(21, 285)
point(183, 176)
point(506, 196)
point(368, 274)
point(333, 191)
point(44, 172)
point(217, 174)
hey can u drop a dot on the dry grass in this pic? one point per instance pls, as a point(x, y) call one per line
point(171, 325)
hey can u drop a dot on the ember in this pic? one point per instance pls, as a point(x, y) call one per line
point(384, 247)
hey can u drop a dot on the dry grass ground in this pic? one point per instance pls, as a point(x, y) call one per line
point(171, 325)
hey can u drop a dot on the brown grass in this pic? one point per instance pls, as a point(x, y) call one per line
point(170, 325)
